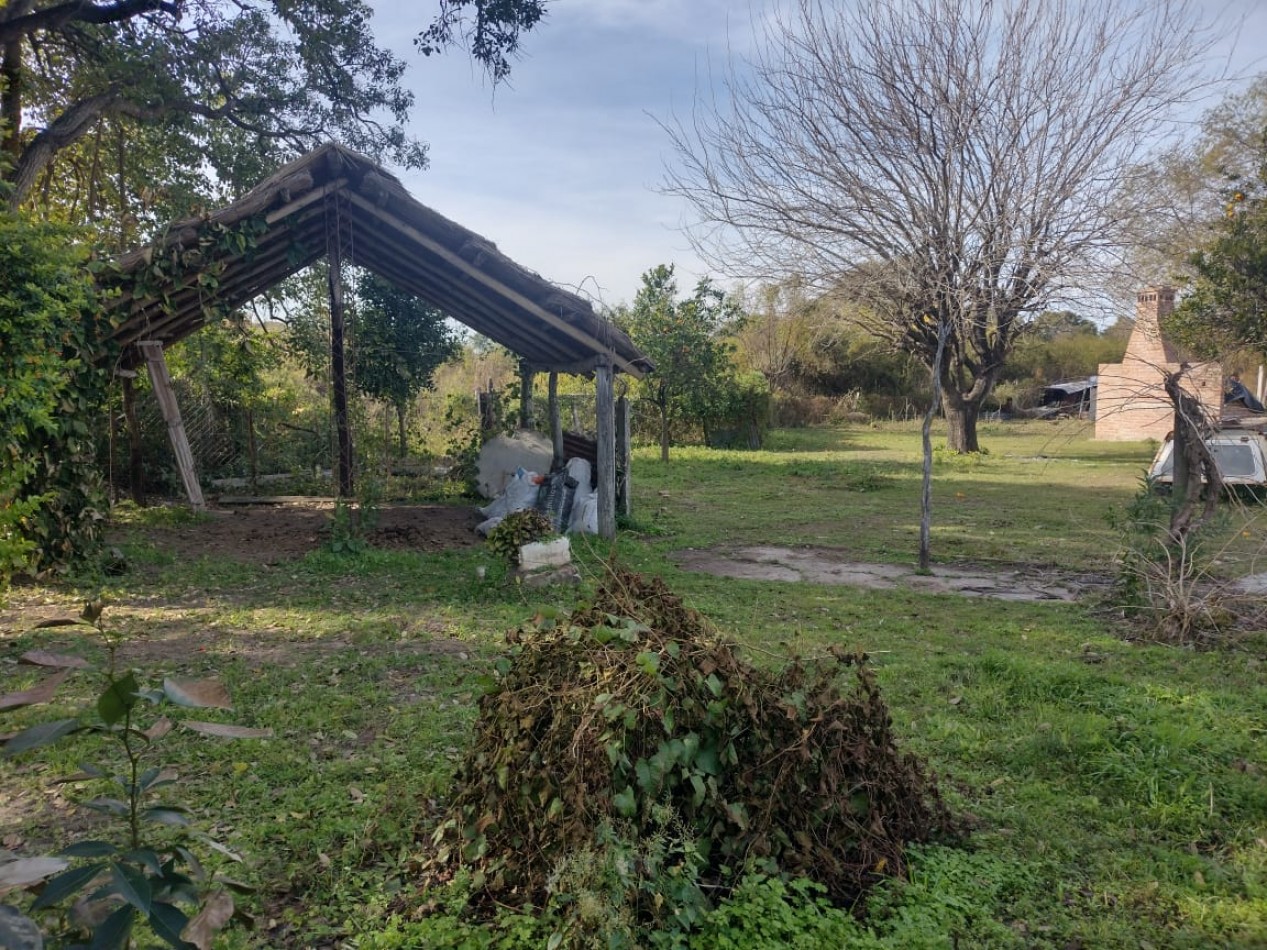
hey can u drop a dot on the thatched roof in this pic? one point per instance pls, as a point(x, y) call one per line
point(382, 228)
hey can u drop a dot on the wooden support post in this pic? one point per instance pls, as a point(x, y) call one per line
point(556, 425)
point(606, 410)
point(252, 450)
point(486, 401)
point(161, 380)
point(624, 453)
point(525, 396)
point(136, 464)
point(338, 372)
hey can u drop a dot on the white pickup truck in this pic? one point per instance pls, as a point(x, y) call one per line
point(1241, 456)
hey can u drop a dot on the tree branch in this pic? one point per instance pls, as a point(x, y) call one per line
point(17, 25)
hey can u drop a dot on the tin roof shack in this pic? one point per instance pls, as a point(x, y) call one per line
point(1131, 401)
point(1074, 397)
point(335, 204)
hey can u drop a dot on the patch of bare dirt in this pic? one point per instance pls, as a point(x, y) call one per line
point(285, 530)
point(825, 566)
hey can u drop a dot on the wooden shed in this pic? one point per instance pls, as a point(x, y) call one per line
point(336, 204)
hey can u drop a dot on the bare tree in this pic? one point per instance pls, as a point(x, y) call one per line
point(957, 161)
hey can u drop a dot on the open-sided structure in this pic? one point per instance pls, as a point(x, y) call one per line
point(336, 204)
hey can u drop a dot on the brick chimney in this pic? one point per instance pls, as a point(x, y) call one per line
point(1146, 344)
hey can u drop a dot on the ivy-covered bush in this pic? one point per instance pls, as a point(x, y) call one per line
point(52, 382)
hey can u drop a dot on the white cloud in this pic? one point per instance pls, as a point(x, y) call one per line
point(559, 167)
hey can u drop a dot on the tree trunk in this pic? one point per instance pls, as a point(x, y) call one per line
point(926, 442)
point(11, 100)
point(961, 422)
point(664, 434)
point(1196, 475)
point(402, 449)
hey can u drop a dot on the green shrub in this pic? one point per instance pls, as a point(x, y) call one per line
point(52, 384)
point(767, 913)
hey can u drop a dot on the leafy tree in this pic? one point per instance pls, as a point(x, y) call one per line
point(494, 34)
point(938, 161)
point(1227, 308)
point(1192, 181)
point(398, 343)
point(51, 499)
point(215, 83)
point(681, 338)
point(788, 335)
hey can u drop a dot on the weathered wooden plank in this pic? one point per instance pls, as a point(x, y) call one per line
point(161, 380)
point(556, 425)
point(624, 456)
point(606, 450)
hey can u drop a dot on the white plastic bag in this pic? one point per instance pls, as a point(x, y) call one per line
point(520, 493)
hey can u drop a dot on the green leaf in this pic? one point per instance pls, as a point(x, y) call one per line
point(132, 885)
point(108, 806)
point(167, 921)
point(65, 884)
point(649, 662)
point(165, 815)
point(625, 803)
point(706, 760)
point(46, 733)
point(114, 932)
point(147, 858)
point(698, 784)
point(119, 697)
point(89, 849)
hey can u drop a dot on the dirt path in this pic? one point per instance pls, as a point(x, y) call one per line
point(290, 528)
point(824, 566)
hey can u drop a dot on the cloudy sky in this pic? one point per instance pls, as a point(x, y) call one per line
point(559, 167)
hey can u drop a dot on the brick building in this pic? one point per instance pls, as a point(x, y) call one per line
point(1131, 402)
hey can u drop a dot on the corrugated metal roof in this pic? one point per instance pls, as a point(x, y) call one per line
point(331, 192)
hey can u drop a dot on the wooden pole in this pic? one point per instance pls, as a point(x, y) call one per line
point(556, 425)
point(526, 376)
point(624, 453)
point(252, 450)
point(161, 380)
point(338, 372)
point(136, 464)
point(606, 450)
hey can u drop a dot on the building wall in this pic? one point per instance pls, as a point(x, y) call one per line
point(1131, 401)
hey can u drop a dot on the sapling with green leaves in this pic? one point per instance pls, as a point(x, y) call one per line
point(148, 872)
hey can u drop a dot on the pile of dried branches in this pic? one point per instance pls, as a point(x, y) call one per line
point(632, 704)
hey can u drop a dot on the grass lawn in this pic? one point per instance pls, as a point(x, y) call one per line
point(1118, 791)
